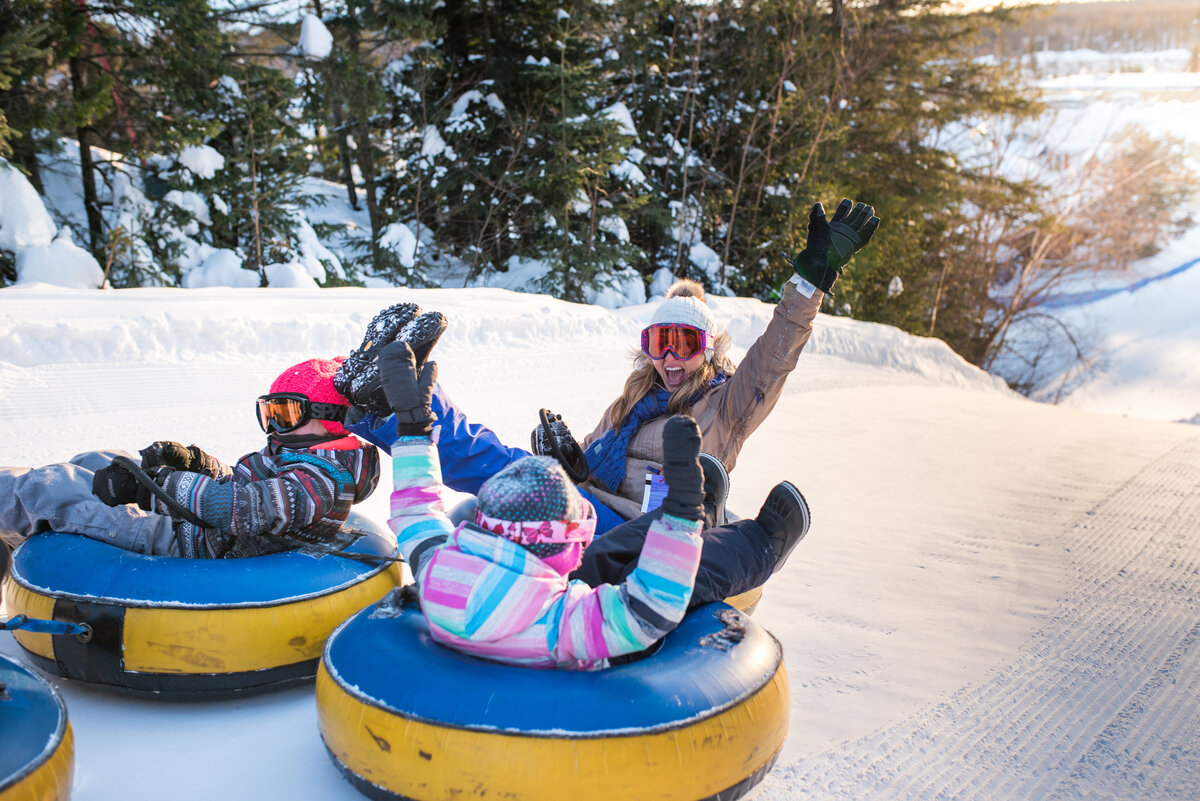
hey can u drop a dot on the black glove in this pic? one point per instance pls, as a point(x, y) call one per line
point(681, 469)
point(116, 486)
point(552, 438)
point(164, 452)
point(408, 394)
point(832, 243)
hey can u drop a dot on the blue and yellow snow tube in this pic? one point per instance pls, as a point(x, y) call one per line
point(703, 717)
point(190, 628)
point(37, 746)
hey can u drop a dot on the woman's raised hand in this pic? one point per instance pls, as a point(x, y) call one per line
point(832, 243)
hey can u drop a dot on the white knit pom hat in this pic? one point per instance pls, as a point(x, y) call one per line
point(686, 310)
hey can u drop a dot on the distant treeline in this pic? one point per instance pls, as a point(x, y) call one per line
point(1137, 25)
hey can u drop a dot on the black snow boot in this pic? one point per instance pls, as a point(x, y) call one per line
point(358, 377)
point(553, 438)
point(786, 518)
point(716, 489)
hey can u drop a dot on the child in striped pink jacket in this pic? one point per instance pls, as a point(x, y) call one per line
point(497, 586)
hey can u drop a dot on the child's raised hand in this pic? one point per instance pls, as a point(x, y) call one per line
point(410, 395)
point(681, 469)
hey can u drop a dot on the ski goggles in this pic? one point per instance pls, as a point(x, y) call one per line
point(683, 340)
point(281, 412)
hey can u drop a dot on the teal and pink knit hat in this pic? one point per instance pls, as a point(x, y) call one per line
point(533, 503)
point(314, 380)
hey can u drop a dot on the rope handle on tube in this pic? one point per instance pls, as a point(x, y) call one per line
point(52, 627)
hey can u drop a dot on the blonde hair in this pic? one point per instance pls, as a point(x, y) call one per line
point(644, 378)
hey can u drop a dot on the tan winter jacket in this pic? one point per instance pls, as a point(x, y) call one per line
point(728, 414)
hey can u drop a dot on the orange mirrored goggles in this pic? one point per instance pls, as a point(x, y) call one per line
point(281, 412)
point(683, 340)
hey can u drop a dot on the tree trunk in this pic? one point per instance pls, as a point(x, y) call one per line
point(343, 145)
point(689, 109)
point(366, 165)
point(91, 202)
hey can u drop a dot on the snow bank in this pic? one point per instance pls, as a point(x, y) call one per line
point(62, 263)
point(219, 267)
point(24, 221)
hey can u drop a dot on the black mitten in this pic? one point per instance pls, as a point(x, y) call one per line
point(116, 486)
point(681, 469)
point(410, 395)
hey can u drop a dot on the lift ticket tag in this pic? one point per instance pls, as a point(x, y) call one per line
point(654, 492)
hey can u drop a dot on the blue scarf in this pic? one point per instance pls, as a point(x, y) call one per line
point(606, 456)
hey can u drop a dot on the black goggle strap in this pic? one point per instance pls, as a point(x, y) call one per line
point(333, 412)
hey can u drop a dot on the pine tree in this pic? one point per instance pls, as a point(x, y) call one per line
point(349, 95)
point(257, 195)
point(908, 74)
point(657, 75)
point(513, 153)
point(25, 52)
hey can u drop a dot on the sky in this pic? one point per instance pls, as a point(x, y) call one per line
point(997, 599)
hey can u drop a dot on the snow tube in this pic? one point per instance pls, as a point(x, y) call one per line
point(37, 746)
point(746, 601)
point(190, 628)
point(702, 717)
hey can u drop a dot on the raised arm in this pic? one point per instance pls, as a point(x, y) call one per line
point(756, 386)
point(607, 621)
point(417, 514)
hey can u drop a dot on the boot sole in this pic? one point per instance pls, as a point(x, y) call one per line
point(421, 333)
point(802, 502)
point(383, 328)
point(571, 459)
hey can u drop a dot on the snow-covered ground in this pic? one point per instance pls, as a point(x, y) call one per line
point(998, 598)
point(990, 587)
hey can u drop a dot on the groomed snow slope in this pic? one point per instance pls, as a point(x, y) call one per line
point(998, 598)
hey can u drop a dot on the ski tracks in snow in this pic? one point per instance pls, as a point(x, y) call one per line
point(1102, 703)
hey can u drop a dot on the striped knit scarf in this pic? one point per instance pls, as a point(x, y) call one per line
point(606, 456)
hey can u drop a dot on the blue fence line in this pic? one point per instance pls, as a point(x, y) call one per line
point(1081, 298)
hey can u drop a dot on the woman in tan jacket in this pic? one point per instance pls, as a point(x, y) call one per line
point(684, 368)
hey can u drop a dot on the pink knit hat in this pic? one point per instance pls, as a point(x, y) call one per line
point(314, 380)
